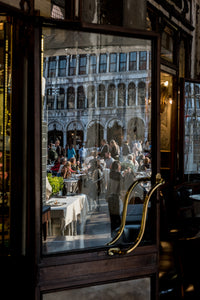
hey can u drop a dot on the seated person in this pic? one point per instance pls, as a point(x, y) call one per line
point(63, 162)
point(146, 164)
point(74, 164)
point(66, 171)
point(56, 166)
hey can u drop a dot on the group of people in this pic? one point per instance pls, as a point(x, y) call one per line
point(123, 162)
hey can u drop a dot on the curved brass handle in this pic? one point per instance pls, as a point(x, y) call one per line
point(117, 250)
point(127, 196)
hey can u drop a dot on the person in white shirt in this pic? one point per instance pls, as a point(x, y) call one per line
point(108, 160)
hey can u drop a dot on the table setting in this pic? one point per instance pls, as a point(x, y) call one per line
point(65, 211)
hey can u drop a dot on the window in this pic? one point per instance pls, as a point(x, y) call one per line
point(131, 94)
point(50, 99)
point(80, 97)
point(197, 95)
point(91, 96)
point(102, 63)
point(62, 66)
point(188, 103)
point(191, 145)
point(111, 95)
point(70, 98)
point(52, 67)
point(72, 65)
point(122, 62)
point(113, 62)
point(101, 96)
point(92, 64)
point(82, 64)
point(132, 61)
point(121, 94)
point(61, 99)
point(58, 9)
point(96, 109)
point(141, 93)
point(142, 60)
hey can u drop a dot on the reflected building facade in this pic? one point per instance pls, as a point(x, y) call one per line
point(100, 94)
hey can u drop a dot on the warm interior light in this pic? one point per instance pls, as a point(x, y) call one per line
point(170, 100)
point(166, 83)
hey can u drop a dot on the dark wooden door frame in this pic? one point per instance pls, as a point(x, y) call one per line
point(77, 269)
point(85, 268)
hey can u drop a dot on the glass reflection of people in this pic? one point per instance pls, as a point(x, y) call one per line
point(108, 160)
point(104, 148)
point(66, 170)
point(113, 195)
point(114, 149)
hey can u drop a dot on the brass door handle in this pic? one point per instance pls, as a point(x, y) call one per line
point(117, 250)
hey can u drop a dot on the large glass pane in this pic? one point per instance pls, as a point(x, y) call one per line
point(192, 128)
point(98, 144)
point(5, 132)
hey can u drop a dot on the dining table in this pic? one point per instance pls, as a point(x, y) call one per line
point(66, 211)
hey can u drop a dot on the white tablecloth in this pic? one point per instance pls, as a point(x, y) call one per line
point(68, 208)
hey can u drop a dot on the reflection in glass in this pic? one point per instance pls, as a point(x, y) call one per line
point(98, 136)
point(192, 128)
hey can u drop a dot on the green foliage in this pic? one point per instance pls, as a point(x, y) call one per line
point(56, 183)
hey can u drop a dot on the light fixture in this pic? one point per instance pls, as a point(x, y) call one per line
point(170, 100)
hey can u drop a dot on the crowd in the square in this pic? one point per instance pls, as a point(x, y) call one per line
point(121, 165)
point(134, 157)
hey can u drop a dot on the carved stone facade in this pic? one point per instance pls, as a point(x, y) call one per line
point(101, 98)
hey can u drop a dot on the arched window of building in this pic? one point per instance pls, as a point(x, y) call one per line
point(50, 99)
point(121, 94)
point(62, 66)
point(131, 94)
point(52, 67)
point(61, 99)
point(80, 97)
point(141, 93)
point(91, 96)
point(111, 95)
point(101, 96)
point(70, 98)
